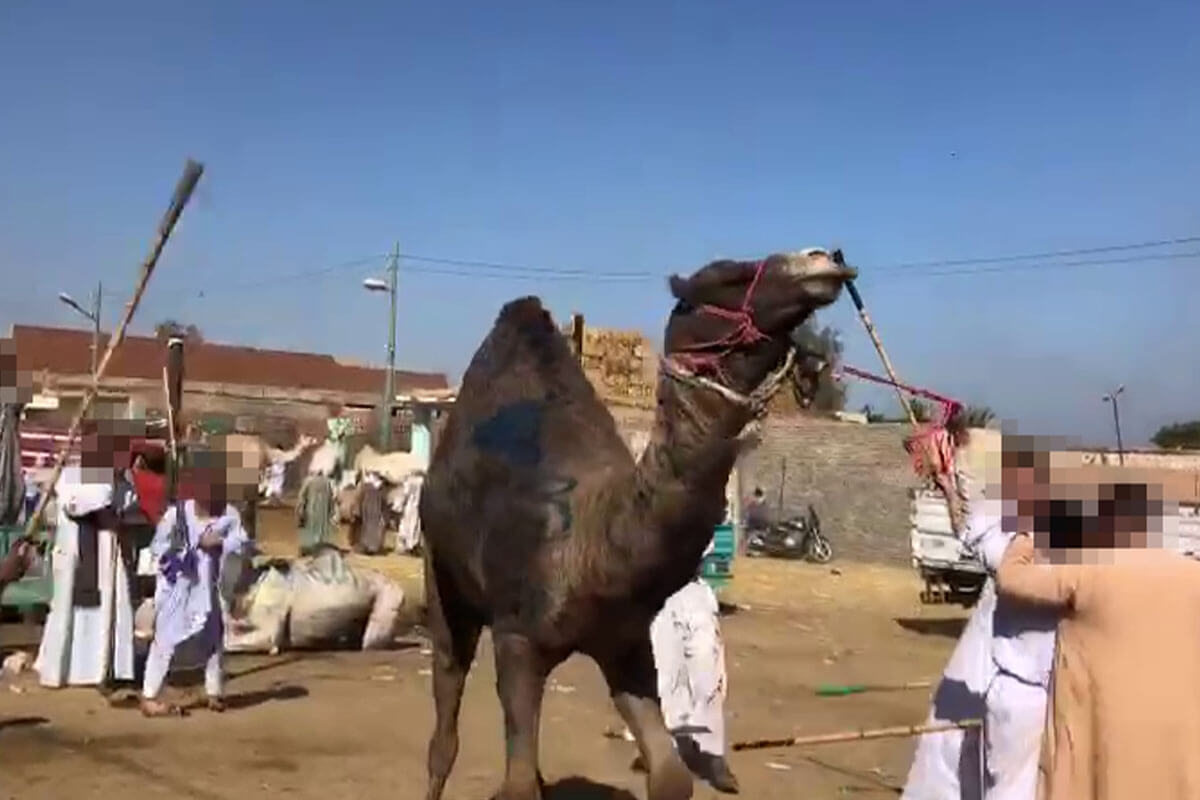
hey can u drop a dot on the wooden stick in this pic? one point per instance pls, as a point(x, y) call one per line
point(857, 736)
point(183, 192)
point(174, 451)
point(883, 356)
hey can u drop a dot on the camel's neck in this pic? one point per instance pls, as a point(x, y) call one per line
point(683, 473)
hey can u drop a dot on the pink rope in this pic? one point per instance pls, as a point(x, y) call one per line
point(929, 445)
point(745, 331)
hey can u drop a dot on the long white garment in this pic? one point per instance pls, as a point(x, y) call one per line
point(406, 504)
point(274, 483)
point(690, 659)
point(998, 672)
point(949, 765)
point(73, 647)
point(188, 626)
point(1016, 718)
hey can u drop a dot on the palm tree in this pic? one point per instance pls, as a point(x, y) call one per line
point(822, 387)
point(977, 416)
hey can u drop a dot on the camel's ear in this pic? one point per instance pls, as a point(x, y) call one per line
point(681, 288)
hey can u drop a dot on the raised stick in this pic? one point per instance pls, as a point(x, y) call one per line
point(183, 192)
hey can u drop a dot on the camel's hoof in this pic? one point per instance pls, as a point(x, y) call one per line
point(670, 781)
point(522, 790)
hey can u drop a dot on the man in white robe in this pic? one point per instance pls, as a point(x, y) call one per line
point(88, 636)
point(272, 483)
point(689, 657)
point(999, 671)
point(188, 625)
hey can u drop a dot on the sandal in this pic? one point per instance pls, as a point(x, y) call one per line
point(156, 708)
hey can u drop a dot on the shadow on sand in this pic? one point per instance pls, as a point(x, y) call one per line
point(251, 699)
point(951, 628)
point(22, 722)
point(583, 789)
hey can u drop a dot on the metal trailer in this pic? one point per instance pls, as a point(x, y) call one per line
point(950, 571)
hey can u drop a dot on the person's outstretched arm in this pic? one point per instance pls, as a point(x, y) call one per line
point(1022, 578)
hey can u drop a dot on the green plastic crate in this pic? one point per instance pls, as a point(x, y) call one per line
point(717, 567)
point(36, 587)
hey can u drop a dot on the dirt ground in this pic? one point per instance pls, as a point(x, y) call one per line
point(327, 725)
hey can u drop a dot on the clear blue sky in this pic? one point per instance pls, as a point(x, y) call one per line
point(626, 136)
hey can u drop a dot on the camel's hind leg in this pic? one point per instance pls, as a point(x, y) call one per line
point(454, 631)
point(634, 685)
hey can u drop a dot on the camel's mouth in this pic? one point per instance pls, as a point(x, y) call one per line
point(831, 272)
point(817, 264)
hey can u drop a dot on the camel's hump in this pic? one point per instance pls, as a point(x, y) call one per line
point(525, 312)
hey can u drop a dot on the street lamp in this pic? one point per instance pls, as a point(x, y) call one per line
point(389, 385)
point(93, 315)
point(1111, 397)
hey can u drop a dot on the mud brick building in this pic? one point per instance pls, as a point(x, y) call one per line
point(274, 393)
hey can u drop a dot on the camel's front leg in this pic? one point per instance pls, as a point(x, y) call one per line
point(633, 682)
point(520, 681)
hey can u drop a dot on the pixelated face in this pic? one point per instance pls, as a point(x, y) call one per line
point(16, 386)
point(242, 462)
point(105, 450)
point(1025, 486)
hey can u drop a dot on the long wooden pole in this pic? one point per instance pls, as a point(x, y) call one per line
point(857, 736)
point(883, 356)
point(856, 298)
point(183, 192)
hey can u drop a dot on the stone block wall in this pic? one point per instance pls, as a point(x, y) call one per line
point(856, 476)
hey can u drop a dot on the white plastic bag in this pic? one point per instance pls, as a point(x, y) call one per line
point(385, 613)
point(329, 601)
point(264, 624)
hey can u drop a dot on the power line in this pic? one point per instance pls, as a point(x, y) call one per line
point(538, 276)
point(357, 262)
point(473, 268)
point(1052, 265)
point(277, 279)
point(524, 268)
point(1049, 254)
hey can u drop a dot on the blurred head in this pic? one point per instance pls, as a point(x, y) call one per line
point(1102, 516)
point(16, 385)
point(205, 480)
point(1129, 513)
point(106, 443)
point(1024, 481)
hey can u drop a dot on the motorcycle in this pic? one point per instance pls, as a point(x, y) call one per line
point(797, 537)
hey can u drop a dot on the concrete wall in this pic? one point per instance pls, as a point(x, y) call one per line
point(856, 476)
point(1181, 460)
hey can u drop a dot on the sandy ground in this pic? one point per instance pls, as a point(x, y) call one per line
point(355, 725)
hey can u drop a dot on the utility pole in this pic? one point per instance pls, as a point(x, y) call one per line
point(1112, 398)
point(389, 385)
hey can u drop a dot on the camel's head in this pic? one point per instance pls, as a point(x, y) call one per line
point(734, 319)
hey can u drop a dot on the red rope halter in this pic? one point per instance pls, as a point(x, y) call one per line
point(744, 332)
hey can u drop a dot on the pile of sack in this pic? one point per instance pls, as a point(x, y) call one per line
point(313, 602)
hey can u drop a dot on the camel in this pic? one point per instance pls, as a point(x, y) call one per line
point(539, 524)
